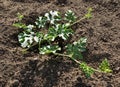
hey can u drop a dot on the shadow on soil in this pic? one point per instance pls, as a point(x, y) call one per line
point(49, 70)
point(80, 83)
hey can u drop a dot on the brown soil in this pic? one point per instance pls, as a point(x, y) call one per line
point(30, 70)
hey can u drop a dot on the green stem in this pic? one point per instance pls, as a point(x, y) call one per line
point(68, 56)
point(29, 47)
point(96, 70)
point(78, 21)
point(78, 62)
point(61, 55)
point(39, 44)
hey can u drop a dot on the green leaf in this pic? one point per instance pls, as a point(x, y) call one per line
point(89, 14)
point(70, 16)
point(81, 44)
point(105, 67)
point(38, 37)
point(53, 17)
point(28, 28)
point(20, 16)
point(40, 22)
point(26, 39)
point(49, 49)
point(73, 51)
point(59, 31)
point(86, 69)
point(20, 25)
point(76, 48)
point(51, 35)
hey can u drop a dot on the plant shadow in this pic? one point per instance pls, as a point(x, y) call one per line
point(94, 58)
point(49, 71)
point(80, 83)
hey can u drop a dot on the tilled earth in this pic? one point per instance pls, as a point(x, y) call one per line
point(18, 69)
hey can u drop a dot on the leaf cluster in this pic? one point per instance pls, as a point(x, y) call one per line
point(75, 49)
point(57, 29)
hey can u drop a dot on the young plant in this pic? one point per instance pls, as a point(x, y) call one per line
point(105, 66)
point(59, 27)
point(19, 24)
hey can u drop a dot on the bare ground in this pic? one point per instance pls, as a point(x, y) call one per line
point(30, 70)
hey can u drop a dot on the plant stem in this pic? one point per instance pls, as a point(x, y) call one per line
point(78, 62)
point(78, 21)
point(39, 43)
point(68, 56)
point(29, 47)
point(59, 54)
